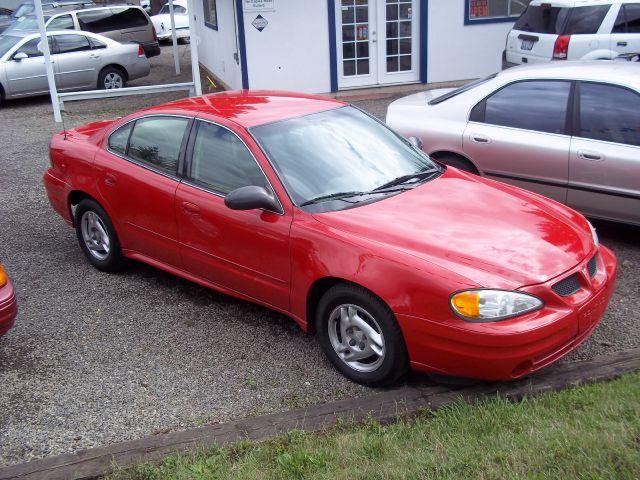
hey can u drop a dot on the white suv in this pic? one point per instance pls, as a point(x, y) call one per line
point(574, 30)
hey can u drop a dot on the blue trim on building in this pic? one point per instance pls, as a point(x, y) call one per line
point(242, 44)
point(481, 21)
point(333, 54)
point(424, 40)
point(214, 24)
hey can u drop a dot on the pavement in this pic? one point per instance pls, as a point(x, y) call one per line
point(97, 358)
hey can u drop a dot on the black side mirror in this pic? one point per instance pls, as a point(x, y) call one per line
point(416, 142)
point(251, 198)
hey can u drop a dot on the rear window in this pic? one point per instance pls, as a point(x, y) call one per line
point(562, 21)
point(108, 20)
point(542, 19)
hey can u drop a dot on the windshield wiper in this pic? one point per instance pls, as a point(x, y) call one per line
point(405, 178)
point(331, 196)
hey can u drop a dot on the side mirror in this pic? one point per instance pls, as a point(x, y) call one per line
point(251, 198)
point(416, 142)
point(18, 57)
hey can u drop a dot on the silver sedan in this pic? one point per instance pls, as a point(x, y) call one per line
point(81, 61)
point(567, 130)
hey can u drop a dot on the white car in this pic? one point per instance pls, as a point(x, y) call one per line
point(162, 21)
point(573, 30)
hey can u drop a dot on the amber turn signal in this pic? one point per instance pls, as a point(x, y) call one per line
point(3, 276)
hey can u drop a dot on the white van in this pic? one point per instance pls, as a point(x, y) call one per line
point(573, 30)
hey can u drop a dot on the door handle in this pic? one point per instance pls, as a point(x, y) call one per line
point(622, 44)
point(110, 180)
point(591, 156)
point(93, 55)
point(190, 208)
point(480, 138)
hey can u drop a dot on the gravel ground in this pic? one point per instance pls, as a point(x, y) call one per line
point(97, 358)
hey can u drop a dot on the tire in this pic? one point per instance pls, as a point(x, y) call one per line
point(371, 316)
point(97, 237)
point(111, 78)
point(458, 162)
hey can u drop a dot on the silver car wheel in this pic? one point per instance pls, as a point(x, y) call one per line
point(356, 338)
point(95, 235)
point(113, 80)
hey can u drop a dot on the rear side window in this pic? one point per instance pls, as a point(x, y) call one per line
point(156, 141)
point(628, 20)
point(530, 105)
point(129, 18)
point(609, 113)
point(120, 138)
point(97, 21)
point(72, 43)
point(222, 162)
point(542, 19)
point(63, 22)
point(586, 20)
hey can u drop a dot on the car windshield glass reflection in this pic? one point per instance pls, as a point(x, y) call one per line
point(6, 43)
point(339, 153)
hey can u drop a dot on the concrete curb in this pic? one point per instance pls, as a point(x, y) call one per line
point(383, 407)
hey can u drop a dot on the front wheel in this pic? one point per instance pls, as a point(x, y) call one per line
point(361, 337)
point(97, 237)
point(111, 78)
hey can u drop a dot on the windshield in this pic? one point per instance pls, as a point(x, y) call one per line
point(340, 150)
point(465, 88)
point(542, 19)
point(23, 9)
point(6, 43)
point(25, 24)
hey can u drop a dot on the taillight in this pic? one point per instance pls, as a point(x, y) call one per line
point(561, 48)
point(140, 51)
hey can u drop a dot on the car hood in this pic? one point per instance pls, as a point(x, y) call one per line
point(495, 235)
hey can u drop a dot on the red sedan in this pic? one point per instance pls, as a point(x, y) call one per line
point(313, 208)
point(8, 304)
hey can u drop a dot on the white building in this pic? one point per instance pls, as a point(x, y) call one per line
point(328, 45)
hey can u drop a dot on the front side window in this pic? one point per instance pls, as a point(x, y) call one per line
point(479, 10)
point(221, 161)
point(156, 141)
point(586, 20)
point(531, 105)
point(7, 43)
point(628, 20)
point(609, 113)
point(63, 22)
point(32, 48)
point(72, 43)
point(211, 14)
point(339, 150)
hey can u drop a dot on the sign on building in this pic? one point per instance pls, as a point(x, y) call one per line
point(259, 5)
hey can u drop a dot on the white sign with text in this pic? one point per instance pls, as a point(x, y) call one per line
point(259, 5)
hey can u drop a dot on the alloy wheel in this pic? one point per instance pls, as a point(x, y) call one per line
point(95, 236)
point(113, 80)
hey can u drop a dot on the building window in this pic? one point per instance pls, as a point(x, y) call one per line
point(487, 11)
point(211, 14)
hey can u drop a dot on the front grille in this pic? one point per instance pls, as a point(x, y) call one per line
point(592, 266)
point(567, 286)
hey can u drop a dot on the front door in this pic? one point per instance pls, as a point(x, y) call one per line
point(378, 42)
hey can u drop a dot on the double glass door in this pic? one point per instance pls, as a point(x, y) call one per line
point(378, 42)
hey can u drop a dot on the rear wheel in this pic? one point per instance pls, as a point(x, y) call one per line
point(457, 162)
point(360, 336)
point(111, 78)
point(97, 237)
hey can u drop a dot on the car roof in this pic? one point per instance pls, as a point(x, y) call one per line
point(608, 71)
point(251, 108)
point(577, 3)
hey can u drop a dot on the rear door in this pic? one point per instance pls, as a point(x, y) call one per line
point(76, 63)
point(604, 165)
point(625, 37)
point(519, 135)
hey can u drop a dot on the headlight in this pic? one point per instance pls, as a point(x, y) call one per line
point(594, 234)
point(493, 305)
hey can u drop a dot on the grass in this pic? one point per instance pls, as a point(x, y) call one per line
point(590, 432)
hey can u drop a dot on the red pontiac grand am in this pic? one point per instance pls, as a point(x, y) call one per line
point(8, 304)
point(313, 208)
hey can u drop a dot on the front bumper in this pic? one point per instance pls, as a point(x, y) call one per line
point(8, 307)
point(513, 348)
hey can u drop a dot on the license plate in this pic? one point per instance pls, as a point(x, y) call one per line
point(527, 45)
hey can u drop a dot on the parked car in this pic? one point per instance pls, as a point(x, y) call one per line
point(573, 30)
point(27, 8)
point(313, 208)
point(162, 21)
point(5, 13)
point(567, 130)
point(82, 61)
point(8, 303)
point(123, 24)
